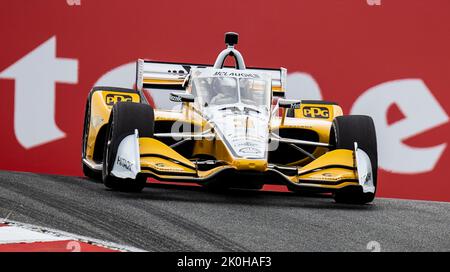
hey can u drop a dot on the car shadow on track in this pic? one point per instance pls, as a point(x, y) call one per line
point(198, 194)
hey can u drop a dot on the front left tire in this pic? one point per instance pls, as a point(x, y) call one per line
point(125, 117)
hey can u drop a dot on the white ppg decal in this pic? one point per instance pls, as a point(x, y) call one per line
point(35, 76)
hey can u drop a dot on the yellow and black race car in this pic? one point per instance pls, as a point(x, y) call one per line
point(232, 129)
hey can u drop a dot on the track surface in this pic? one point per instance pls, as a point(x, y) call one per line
point(184, 218)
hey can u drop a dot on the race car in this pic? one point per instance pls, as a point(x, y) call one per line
point(232, 128)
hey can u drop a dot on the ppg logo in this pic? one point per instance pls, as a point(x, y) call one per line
point(112, 99)
point(316, 112)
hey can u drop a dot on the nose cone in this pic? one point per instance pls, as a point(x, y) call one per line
point(246, 136)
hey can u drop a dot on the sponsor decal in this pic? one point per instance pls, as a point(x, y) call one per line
point(163, 167)
point(368, 177)
point(175, 98)
point(325, 178)
point(316, 112)
point(296, 105)
point(235, 74)
point(112, 99)
point(249, 150)
point(124, 163)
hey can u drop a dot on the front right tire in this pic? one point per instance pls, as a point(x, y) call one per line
point(345, 131)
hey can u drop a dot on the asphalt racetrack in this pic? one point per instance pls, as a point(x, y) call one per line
point(190, 218)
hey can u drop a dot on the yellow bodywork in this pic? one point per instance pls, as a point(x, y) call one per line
point(101, 103)
point(161, 158)
point(330, 170)
point(174, 164)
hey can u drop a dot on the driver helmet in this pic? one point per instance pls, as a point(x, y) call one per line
point(225, 85)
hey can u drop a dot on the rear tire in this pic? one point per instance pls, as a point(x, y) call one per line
point(345, 131)
point(125, 117)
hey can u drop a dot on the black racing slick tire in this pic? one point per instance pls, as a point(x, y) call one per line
point(345, 131)
point(125, 117)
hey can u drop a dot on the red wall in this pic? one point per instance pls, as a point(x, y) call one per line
point(346, 47)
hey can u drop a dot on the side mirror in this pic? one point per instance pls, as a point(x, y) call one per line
point(289, 103)
point(181, 97)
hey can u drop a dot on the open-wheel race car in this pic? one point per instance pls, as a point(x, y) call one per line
point(233, 129)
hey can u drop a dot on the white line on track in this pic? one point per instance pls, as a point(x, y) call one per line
point(16, 232)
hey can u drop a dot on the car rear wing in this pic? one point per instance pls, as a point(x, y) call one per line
point(168, 75)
